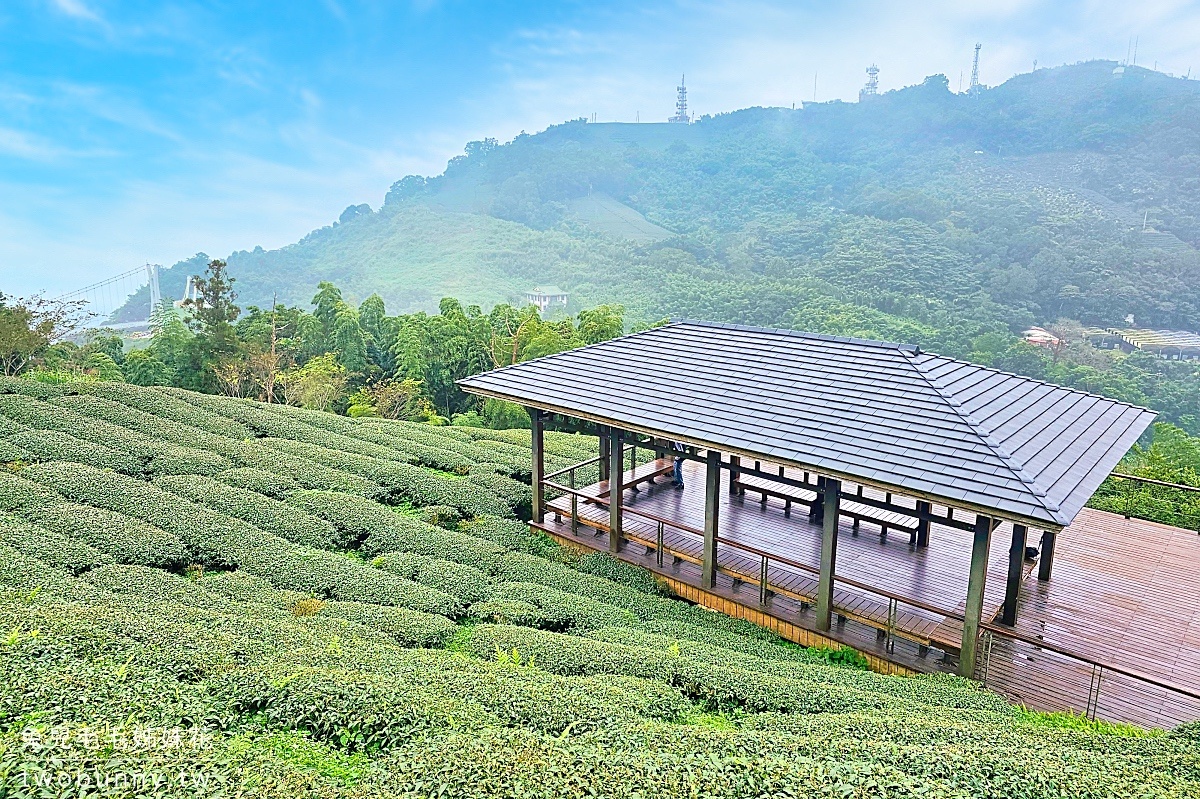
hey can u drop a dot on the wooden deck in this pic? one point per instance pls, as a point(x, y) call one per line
point(1122, 593)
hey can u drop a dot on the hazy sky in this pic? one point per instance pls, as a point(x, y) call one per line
point(135, 131)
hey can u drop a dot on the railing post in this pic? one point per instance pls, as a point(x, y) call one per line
point(658, 553)
point(762, 581)
point(830, 510)
point(1093, 701)
point(574, 506)
point(890, 646)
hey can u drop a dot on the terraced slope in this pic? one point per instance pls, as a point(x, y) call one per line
point(203, 596)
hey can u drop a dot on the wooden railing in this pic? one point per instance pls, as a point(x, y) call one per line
point(1154, 500)
point(1079, 679)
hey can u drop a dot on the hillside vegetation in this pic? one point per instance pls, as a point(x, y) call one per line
point(203, 595)
point(922, 216)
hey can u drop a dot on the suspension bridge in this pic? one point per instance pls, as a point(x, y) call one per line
point(106, 298)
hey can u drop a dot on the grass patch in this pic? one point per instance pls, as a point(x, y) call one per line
point(1068, 720)
point(305, 754)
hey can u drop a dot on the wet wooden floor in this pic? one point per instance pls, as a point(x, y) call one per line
point(1123, 593)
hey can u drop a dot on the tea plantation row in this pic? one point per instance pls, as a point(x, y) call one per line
point(206, 596)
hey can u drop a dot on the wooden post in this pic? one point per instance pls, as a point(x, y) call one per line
point(980, 546)
point(1016, 564)
point(538, 418)
point(712, 508)
point(1046, 559)
point(615, 495)
point(923, 524)
point(735, 463)
point(604, 432)
point(831, 511)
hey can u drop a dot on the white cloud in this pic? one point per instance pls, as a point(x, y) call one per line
point(76, 9)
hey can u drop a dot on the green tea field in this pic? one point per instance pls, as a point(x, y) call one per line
point(207, 596)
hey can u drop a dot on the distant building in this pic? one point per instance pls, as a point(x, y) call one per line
point(1172, 345)
point(1041, 337)
point(546, 297)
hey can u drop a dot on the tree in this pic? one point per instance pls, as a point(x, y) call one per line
point(213, 312)
point(392, 399)
point(29, 326)
point(143, 369)
point(319, 385)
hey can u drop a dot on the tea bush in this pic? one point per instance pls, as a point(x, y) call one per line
point(11, 453)
point(467, 583)
point(376, 529)
point(49, 546)
point(159, 403)
point(408, 628)
point(123, 538)
point(270, 484)
point(55, 445)
point(284, 520)
point(17, 492)
point(576, 612)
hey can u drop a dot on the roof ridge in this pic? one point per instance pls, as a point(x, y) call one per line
point(887, 345)
point(1017, 469)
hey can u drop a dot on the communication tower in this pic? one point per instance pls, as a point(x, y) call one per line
point(681, 109)
point(975, 88)
point(872, 87)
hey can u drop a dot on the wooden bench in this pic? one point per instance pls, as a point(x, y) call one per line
point(857, 512)
point(641, 473)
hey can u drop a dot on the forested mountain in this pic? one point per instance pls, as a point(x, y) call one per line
point(921, 215)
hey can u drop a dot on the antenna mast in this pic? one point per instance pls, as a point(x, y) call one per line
point(872, 87)
point(681, 109)
point(974, 87)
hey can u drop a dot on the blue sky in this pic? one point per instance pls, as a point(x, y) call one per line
point(135, 131)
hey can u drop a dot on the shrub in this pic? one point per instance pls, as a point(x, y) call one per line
point(378, 529)
point(516, 495)
point(276, 486)
point(169, 407)
point(404, 482)
point(59, 446)
point(515, 611)
point(326, 575)
point(147, 424)
point(272, 516)
point(49, 546)
point(242, 586)
point(307, 607)
point(570, 654)
point(511, 534)
point(520, 567)
point(11, 453)
point(29, 388)
point(305, 472)
point(466, 583)
point(408, 628)
point(158, 456)
point(441, 516)
point(17, 492)
point(125, 539)
point(577, 612)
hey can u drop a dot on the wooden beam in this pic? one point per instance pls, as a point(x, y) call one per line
point(735, 464)
point(538, 420)
point(1046, 558)
point(712, 512)
point(1016, 565)
point(831, 507)
point(616, 474)
point(980, 544)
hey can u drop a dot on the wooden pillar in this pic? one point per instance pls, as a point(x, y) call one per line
point(538, 419)
point(604, 440)
point(735, 463)
point(1046, 558)
point(831, 501)
point(980, 545)
point(712, 512)
point(923, 524)
point(615, 495)
point(1016, 564)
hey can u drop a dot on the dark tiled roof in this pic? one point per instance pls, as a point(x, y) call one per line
point(880, 413)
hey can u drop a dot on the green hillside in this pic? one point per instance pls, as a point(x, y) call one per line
point(922, 215)
point(209, 596)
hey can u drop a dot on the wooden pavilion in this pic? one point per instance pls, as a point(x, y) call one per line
point(840, 435)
